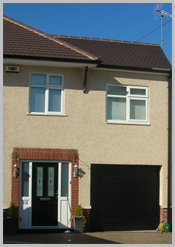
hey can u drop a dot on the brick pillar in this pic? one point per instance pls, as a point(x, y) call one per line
point(86, 213)
point(163, 214)
point(15, 181)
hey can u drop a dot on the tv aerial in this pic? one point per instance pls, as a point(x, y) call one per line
point(159, 13)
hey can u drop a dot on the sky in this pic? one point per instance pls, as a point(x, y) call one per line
point(117, 21)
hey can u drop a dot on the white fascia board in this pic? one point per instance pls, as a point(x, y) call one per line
point(31, 62)
point(133, 71)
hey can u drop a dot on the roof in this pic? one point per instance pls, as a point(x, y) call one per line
point(20, 40)
point(118, 53)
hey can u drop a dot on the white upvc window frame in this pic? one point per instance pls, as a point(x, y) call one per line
point(47, 87)
point(129, 97)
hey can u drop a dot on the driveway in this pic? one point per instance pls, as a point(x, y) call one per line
point(114, 237)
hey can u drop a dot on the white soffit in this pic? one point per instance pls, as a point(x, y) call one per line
point(47, 63)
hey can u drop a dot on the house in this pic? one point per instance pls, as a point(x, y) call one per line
point(102, 106)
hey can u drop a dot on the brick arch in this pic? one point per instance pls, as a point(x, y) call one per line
point(45, 154)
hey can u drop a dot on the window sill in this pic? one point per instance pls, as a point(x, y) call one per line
point(128, 123)
point(46, 114)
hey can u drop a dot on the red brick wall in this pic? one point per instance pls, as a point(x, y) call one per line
point(86, 213)
point(49, 155)
point(164, 215)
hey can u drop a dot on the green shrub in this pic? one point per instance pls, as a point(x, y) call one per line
point(13, 212)
point(78, 211)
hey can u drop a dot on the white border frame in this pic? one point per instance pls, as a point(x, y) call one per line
point(60, 199)
point(47, 87)
point(29, 198)
point(128, 97)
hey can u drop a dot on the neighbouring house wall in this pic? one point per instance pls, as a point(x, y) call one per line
point(85, 128)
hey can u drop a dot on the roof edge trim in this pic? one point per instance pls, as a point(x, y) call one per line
point(101, 39)
point(159, 69)
point(133, 68)
point(150, 71)
point(47, 62)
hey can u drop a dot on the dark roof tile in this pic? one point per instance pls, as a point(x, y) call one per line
point(117, 53)
point(31, 42)
point(20, 39)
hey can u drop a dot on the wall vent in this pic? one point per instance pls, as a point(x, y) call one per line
point(12, 69)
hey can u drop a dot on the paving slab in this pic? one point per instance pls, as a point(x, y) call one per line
point(134, 237)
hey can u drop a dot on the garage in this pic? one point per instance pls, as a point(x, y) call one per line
point(124, 197)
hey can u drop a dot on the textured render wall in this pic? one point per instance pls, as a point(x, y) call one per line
point(85, 127)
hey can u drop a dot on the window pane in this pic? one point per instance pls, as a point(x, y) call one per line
point(37, 99)
point(38, 79)
point(25, 179)
point(138, 91)
point(50, 181)
point(64, 179)
point(39, 181)
point(116, 108)
point(55, 80)
point(54, 100)
point(117, 90)
point(138, 109)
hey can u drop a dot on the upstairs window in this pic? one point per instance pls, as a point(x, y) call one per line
point(46, 94)
point(127, 104)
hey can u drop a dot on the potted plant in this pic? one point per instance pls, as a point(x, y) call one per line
point(11, 222)
point(79, 219)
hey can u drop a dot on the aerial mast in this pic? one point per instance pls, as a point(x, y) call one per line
point(159, 13)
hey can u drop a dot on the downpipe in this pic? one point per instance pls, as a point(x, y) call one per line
point(169, 140)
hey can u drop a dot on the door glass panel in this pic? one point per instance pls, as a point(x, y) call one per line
point(39, 181)
point(64, 179)
point(50, 181)
point(25, 179)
